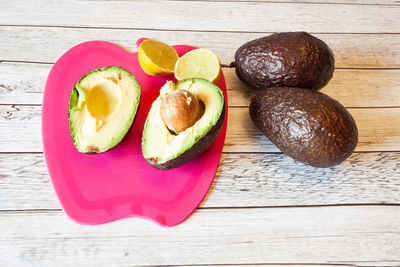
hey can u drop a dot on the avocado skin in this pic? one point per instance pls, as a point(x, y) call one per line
point(201, 145)
point(293, 59)
point(308, 126)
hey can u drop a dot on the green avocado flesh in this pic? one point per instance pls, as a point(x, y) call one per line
point(165, 150)
point(102, 108)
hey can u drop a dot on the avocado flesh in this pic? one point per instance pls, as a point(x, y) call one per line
point(102, 107)
point(293, 59)
point(307, 125)
point(165, 150)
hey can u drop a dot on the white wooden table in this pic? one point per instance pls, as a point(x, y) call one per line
point(263, 208)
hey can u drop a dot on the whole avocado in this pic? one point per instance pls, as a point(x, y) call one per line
point(308, 126)
point(293, 59)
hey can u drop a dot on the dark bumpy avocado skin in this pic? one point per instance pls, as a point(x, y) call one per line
point(201, 145)
point(307, 125)
point(293, 59)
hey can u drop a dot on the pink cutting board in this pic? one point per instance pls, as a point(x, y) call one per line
point(119, 183)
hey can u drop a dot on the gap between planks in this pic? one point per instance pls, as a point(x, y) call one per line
point(224, 66)
point(223, 152)
point(183, 30)
point(302, 2)
point(271, 264)
point(56, 211)
point(314, 2)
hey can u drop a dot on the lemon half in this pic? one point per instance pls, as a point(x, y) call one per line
point(157, 58)
point(198, 63)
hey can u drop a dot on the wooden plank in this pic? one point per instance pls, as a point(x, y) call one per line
point(215, 16)
point(352, 88)
point(322, 2)
point(23, 83)
point(270, 265)
point(363, 235)
point(274, 180)
point(20, 128)
point(379, 130)
point(44, 44)
point(242, 180)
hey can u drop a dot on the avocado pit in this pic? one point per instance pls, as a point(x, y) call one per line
point(104, 100)
point(180, 110)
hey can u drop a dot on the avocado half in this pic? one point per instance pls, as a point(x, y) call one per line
point(102, 107)
point(165, 150)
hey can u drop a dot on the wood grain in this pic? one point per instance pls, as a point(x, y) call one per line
point(379, 130)
point(352, 88)
point(23, 83)
point(321, 2)
point(329, 235)
point(47, 44)
point(242, 180)
point(245, 219)
point(269, 265)
point(20, 128)
point(254, 16)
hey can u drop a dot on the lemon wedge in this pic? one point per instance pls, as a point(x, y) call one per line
point(157, 58)
point(198, 63)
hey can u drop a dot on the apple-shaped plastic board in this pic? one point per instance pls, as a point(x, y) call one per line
point(119, 183)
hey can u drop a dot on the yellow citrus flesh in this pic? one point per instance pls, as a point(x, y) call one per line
point(198, 63)
point(157, 58)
